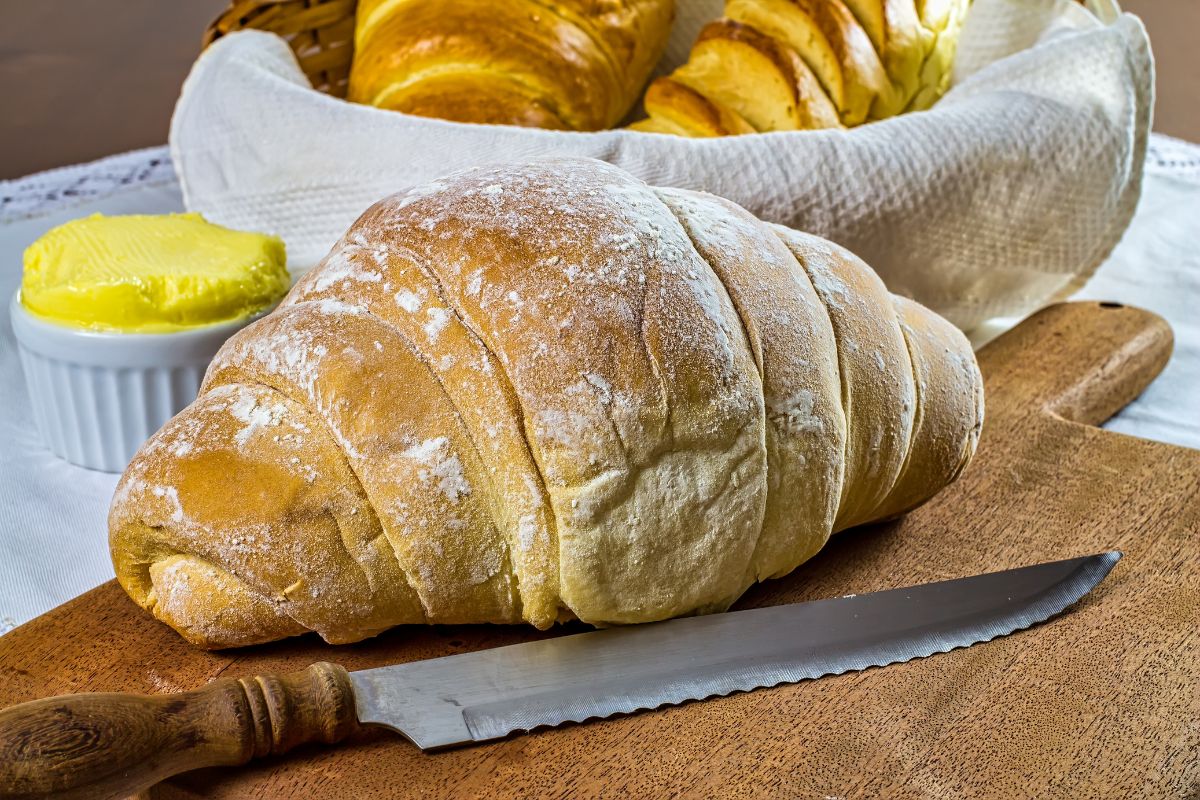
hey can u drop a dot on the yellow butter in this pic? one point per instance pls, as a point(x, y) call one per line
point(151, 274)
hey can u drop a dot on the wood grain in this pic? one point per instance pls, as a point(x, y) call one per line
point(104, 745)
point(1102, 702)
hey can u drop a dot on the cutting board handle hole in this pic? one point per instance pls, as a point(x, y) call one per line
point(1107, 304)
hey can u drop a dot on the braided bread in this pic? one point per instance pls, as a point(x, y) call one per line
point(537, 393)
point(565, 64)
point(774, 65)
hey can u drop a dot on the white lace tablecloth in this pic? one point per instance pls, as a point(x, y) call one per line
point(53, 541)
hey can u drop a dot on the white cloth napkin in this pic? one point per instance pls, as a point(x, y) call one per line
point(1011, 190)
point(53, 515)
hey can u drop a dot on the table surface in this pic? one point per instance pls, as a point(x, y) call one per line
point(50, 507)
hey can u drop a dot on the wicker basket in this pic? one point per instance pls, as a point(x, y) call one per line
point(320, 32)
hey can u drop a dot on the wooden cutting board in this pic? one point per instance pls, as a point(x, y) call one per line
point(1102, 702)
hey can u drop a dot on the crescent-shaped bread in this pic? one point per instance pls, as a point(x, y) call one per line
point(533, 393)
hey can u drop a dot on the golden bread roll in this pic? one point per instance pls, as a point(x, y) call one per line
point(565, 64)
point(808, 64)
point(536, 393)
point(686, 112)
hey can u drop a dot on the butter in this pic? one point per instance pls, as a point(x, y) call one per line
point(151, 274)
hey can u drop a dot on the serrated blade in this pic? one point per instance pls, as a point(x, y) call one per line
point(474, 697)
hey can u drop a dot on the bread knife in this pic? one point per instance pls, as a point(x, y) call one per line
point(112, 745)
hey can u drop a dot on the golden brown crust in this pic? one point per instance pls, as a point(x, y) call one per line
point(495, 99)
point(681, 108)
point(762, 79)
point(845, 61)
point(240, 522)
point(830, 40)
point(574, 64)
point(536, 393)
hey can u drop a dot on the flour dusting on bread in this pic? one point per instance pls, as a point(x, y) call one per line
point(536, 393)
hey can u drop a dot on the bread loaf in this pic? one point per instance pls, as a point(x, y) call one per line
point(565, 64)
point(536, 393)
point(775, 65)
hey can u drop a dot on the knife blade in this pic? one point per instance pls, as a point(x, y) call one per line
point(484, 695)
point(113, 745)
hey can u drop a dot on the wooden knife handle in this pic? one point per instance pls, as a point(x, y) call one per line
point(113, 745)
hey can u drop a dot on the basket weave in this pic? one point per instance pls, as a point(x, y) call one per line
point(320, 32)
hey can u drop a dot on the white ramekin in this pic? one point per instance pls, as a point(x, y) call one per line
point(98, 396)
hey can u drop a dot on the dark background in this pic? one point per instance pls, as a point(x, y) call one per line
point(81, 79)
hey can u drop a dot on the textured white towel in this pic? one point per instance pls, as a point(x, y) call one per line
point(1009, 191)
